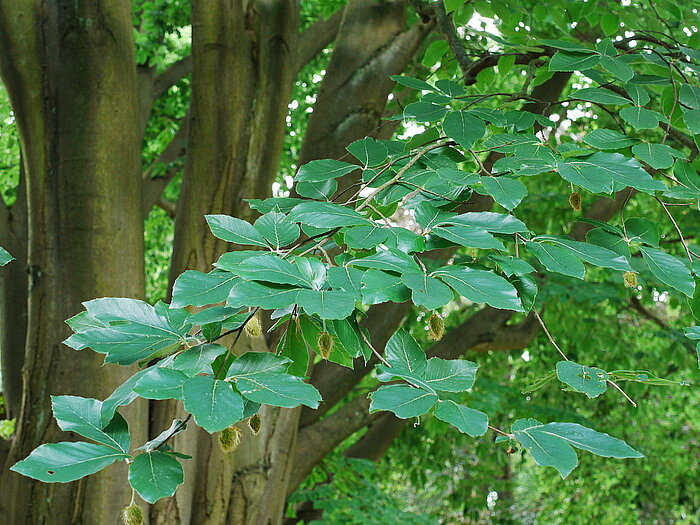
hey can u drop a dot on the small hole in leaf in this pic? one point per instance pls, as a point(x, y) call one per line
point(51, 471)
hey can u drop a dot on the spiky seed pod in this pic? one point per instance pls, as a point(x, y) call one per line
point(325, 345)
point(132, 515)
point(630, 280)
point(229, 438)
point(255, 423)
point(253, 328)
point(436, 327)
point(575, 201)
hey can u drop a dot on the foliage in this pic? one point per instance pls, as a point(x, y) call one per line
point(317, 262)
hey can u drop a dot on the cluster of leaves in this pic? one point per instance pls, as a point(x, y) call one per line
point(320, 260)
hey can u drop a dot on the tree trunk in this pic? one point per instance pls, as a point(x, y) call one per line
point(70, 72)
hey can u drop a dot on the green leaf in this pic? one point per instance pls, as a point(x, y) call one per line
point(557, 259)
point(346, 278)
point(379, 287)
point(280, 390)
point(659, 156)
point(403, 352)
point(368, 151)
point(161, 383)
point(293, 347)
point(427, 215)
point(405, 241)
point(323, 170)
point(64, 462)
point(424, 111)
point(617, 68)
point(256, 363)
point(572, 47)
point(641, 118)
point(526, 285)
point(212, 402)
point(5, 257)
point(411, 82)
point(123, 395)
point(505, 191)
point(690, 96)
point(643, 230)
point(511, 265)
point(277, 229)
point(603, 172)
point(177, 426)
point(601, 96)
point(365, 237)
point(469, 236)
point(321, 191)
point(450, 87)
point(133, 330)
point(155, 475)
point(563, 61)
point(692, 121)
point(596, 255)
point(551, 444)
point(327, 304)
point(273, 269)
point(480, 287)
point(464, 128)
point(231, 229)
point(198, 359)
point(608, 139)
point(426, 291)
point(390, 260)
point(669, 270)
point(201, 289)
point(450, 375)
point(493, 222)
point(84, 416)
point(326, 215)
point(402, 400)
point(465, 419)
point(584, 379)
point(251, 293)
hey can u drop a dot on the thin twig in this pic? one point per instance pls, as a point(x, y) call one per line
point(549, 336)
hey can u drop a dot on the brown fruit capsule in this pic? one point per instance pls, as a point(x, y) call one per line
point(229, 438)
point(132, 515)
point(255, 423)
point(253, 328)
point(436, 327)
point(325, 344)
point(575, 201)
point(630, 279)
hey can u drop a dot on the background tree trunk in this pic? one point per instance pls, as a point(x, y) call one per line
point(70, 72)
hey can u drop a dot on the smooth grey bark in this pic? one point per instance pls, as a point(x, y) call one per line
point(70, 73)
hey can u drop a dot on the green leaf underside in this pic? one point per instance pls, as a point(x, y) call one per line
point(155, 475)
point(584, 379)
point(212, 402)
point(404, 401)
point(465, 419)
point(551, 444)
point(67, 461)
point(84, 416)
point(480, 287)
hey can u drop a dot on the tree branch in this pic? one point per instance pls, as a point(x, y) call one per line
point(171, 76)
point(448, 29)
point(316, 38)
point(316, 441)
point(153, 186)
